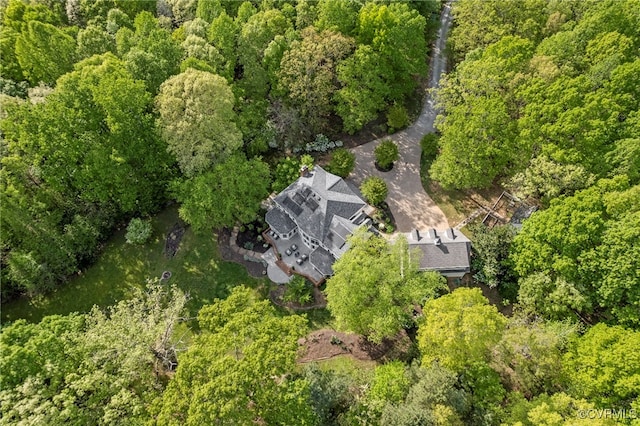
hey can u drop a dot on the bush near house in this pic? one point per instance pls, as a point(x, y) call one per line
point(342, 162)
point(374, 190)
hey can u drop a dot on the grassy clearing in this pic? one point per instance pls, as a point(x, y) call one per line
point(196, 269)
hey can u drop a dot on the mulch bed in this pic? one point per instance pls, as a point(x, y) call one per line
point(255, 269)
point(326, 343)
point(382, 169)
point(174, 237)
point(251, 236)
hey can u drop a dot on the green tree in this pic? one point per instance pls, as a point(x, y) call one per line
point(376, 286)
point(44, 52)
point(604, 366)
point(197, 120)
point(390, 385)
point(74, 164)
point(561, 255)
point(480, 23)
point(397, 33)
point(386, 154)
point(434, 398)
point(491, 248)
point(479, 135)
point(397, 117)
point(551, 410)
point(364, 90)
point(149, 52)
point(337, 15)
point(529, 357)
point(342, 162)
point(239, 369)
point(223, 34)
point(254, 38)
point(545, 179)
point(374, 190)
point(331, 393)
point(465, 312)
point(308, 74)
point(230, 193)
point(94, 40)
point(102, 368)
point(209, 9)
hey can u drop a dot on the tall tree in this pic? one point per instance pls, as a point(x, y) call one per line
point(238, 370)
point(101, 368)
point(44, 52)
point(149, 52)
point(465, 312)
point(561, 255)
point(364, 89)
point(231, 193)
point(479, 134)
point(308, 74)
point(197, 120)
point(376, 286)
point(604, 366)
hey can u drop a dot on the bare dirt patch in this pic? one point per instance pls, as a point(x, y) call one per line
point(327, 343)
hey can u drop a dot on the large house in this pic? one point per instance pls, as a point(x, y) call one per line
point(311, 220)
point(447, 252)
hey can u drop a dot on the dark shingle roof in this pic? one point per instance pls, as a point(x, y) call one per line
point(279, 221)
point(322, 261)
point(316, 198)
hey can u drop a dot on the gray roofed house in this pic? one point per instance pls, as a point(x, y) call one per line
point(320, 210)
point(447, 252)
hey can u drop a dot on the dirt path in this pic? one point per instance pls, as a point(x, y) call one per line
point(411, 205)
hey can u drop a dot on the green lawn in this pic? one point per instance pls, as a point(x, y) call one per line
point(197, 269)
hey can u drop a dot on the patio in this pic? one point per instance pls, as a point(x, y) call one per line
point(305, 269)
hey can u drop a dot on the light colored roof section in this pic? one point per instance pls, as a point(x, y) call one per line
point(446, 250)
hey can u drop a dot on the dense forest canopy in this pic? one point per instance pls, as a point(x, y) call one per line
point(112, 108)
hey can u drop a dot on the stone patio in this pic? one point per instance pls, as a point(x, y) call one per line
point(280, 246)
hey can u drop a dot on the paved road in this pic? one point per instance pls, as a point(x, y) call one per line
point(411, 205)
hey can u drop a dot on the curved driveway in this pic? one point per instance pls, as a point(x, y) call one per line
point(411, 206)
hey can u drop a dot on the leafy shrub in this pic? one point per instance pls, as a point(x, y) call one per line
point(287, 171)
point(248, 245)
point(298, 290)
point(374, 190)
point(342, 162)
point(322, 144)
point(386, 153)
point(138, 231)
point(429, 145)
point(397, 117)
